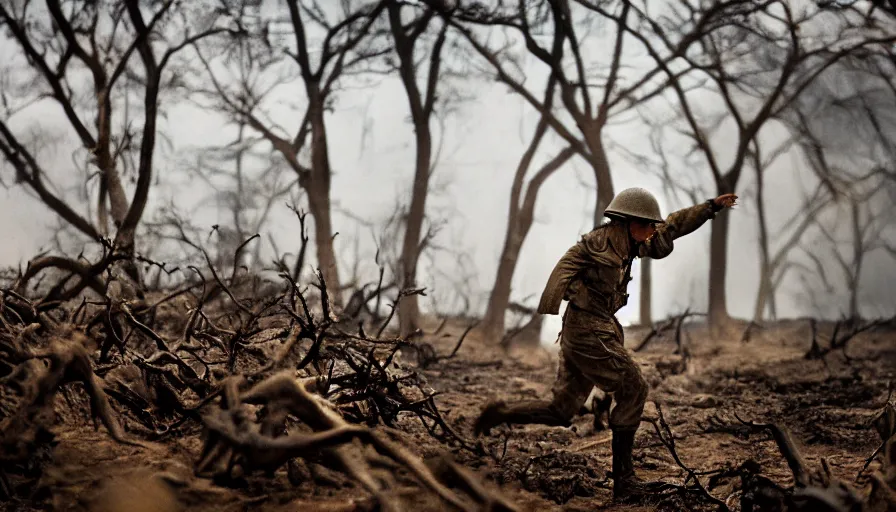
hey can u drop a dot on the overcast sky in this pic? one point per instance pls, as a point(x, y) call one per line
point(482, 145)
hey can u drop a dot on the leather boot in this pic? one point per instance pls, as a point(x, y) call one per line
point(523, 412)
point(627, 486)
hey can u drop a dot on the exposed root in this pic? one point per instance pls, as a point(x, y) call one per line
point(68, 362)
point(658, 330)
point(25, 434)
point(816, 489)
point(456, 476)
point(842, 333)
point(236, 442)
point(692, 489)
point(885, 424)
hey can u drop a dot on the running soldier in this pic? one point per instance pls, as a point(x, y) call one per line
point(593, 276)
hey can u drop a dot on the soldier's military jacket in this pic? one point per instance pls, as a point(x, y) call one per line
point(594, 273)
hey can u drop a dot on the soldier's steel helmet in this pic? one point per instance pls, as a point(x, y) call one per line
point(634, 203)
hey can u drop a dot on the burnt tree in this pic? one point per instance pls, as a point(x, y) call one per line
point(98, 63)
point(750, 92)
point(422, 99)
point(853, 165)
point(589, 102)
point(322, 52)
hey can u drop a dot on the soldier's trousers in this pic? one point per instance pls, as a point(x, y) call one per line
point(592, 355)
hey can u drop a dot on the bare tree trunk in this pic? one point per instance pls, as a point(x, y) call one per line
point(579, 104)
point(518, 225)
point(422, 104)
point(319, 207)
point(762, 294)
point(601, 167)
point(409, 312)
point(765, 271)
point(320, 78)
point(519, 221)
point(116, 194)
point(319, 195)
point(492, 326)
point(646, 292)
point(493, 321)
point(111, 187)
point(718, 263)
point(527, 335)
point(858, 257)
point(124, 238)
point(772, 306)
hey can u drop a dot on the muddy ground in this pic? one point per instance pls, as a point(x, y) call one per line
point(826, 404)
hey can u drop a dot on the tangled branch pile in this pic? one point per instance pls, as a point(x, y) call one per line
point(273, 377)
point(816, 489)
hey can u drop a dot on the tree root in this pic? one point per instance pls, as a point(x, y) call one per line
point(236, 443)
point(456, 476)
point(67, 363)
point(692, 486)
point(842, 333)
point(251, 430)
point(25, 431)
point(817, 489)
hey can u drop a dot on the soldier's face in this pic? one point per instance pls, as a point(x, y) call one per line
point(641, 231)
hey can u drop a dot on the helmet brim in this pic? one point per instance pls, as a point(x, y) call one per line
point(624, 216)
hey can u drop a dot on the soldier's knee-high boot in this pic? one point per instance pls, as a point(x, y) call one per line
point(540, 412)
point(626, 485)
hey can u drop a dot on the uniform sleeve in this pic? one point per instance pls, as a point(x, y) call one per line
point(565, 269)
point(594, 248)
point(678, 224)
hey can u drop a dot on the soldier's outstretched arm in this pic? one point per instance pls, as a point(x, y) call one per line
point(687, 220)
point(683, 222)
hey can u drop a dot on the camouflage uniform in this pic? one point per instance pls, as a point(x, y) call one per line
point(593, 276)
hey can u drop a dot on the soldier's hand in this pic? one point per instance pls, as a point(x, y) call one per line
point(726, 200)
